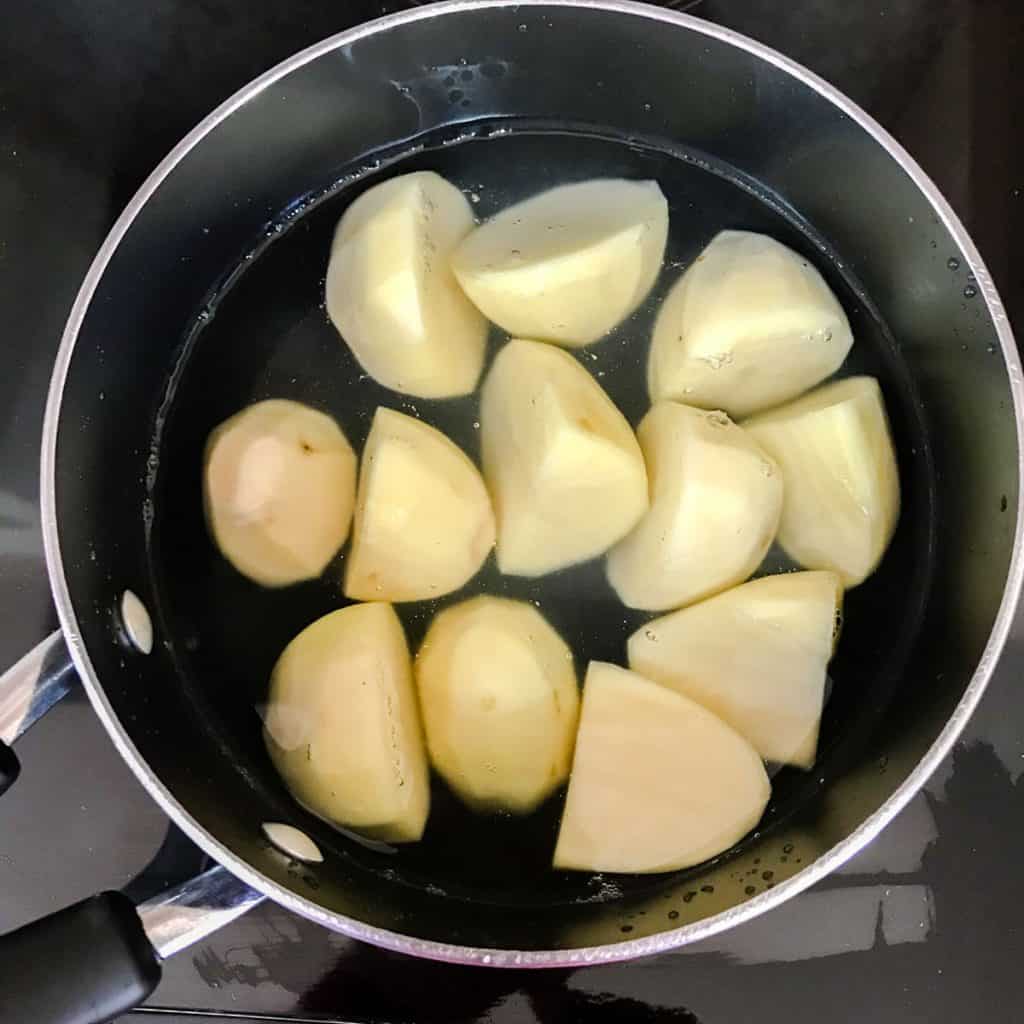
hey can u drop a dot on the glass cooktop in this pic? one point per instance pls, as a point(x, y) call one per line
point(922, 926)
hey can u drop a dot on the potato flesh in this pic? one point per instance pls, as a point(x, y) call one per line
point(500, 703)
point(423, 519)
point(342, 724)
point(278, 488)
point(715, 504)
point(569, 264)
point(391, 294)
point(749, 325)
point(562, 464)
point(842, 485)
point(756, 656)
point(658, 783)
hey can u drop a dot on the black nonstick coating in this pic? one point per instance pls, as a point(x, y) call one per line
point(264, 333)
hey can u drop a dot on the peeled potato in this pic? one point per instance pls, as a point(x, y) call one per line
point(658, 783)
point(842, 485)
point(342, 725)
point(749, 325)
point(423, 520)
point(391, 294)
point(715, 505)
point(278, 488)
point(561, 462)
point(500, 703)
point(569, 264)
point(755, 656)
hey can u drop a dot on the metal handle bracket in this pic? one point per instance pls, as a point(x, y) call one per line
point(33, 685)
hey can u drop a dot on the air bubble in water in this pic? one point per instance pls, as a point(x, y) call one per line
point(970, 291)
point(953, 263)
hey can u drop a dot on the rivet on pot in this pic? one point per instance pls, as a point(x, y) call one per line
point(136, 621)
point(293, 842)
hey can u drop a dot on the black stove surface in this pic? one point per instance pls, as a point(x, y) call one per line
point(925, 925)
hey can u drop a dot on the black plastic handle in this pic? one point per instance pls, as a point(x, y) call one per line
point(84, 965)
point(9, 767)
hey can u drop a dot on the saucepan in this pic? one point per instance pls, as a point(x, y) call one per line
point(207, 295)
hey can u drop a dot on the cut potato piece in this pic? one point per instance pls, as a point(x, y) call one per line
point(561, 462)
point(342, 725)
point(842, 485)
point(391, 294)
point(749, 325)
point(500, 703)
point(755, 656)
point(569, 264)
point(279, 484)
point(715, 504)
point(423, 520)
point(658, 783)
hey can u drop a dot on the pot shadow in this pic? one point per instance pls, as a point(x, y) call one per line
point(411, 990)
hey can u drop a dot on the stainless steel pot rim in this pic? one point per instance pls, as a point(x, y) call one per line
point(498, 957)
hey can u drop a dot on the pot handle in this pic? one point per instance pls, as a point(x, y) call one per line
point(97, 959)
point(27, 691)
point(109, 952)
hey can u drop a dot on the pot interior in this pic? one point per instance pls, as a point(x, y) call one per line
point(213, 300)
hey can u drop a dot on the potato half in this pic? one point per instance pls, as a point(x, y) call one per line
point(500, 703)
point(749, 325)
point(391, 294)
point(756, 656)
point(423, 520)
point(342, 724)
point(658, 783)
point(568, 264)
point(562, 464)
point(715, 504)
point(842, 484)
point(279, 484)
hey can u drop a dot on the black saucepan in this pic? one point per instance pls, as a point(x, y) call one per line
point(207, 295)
